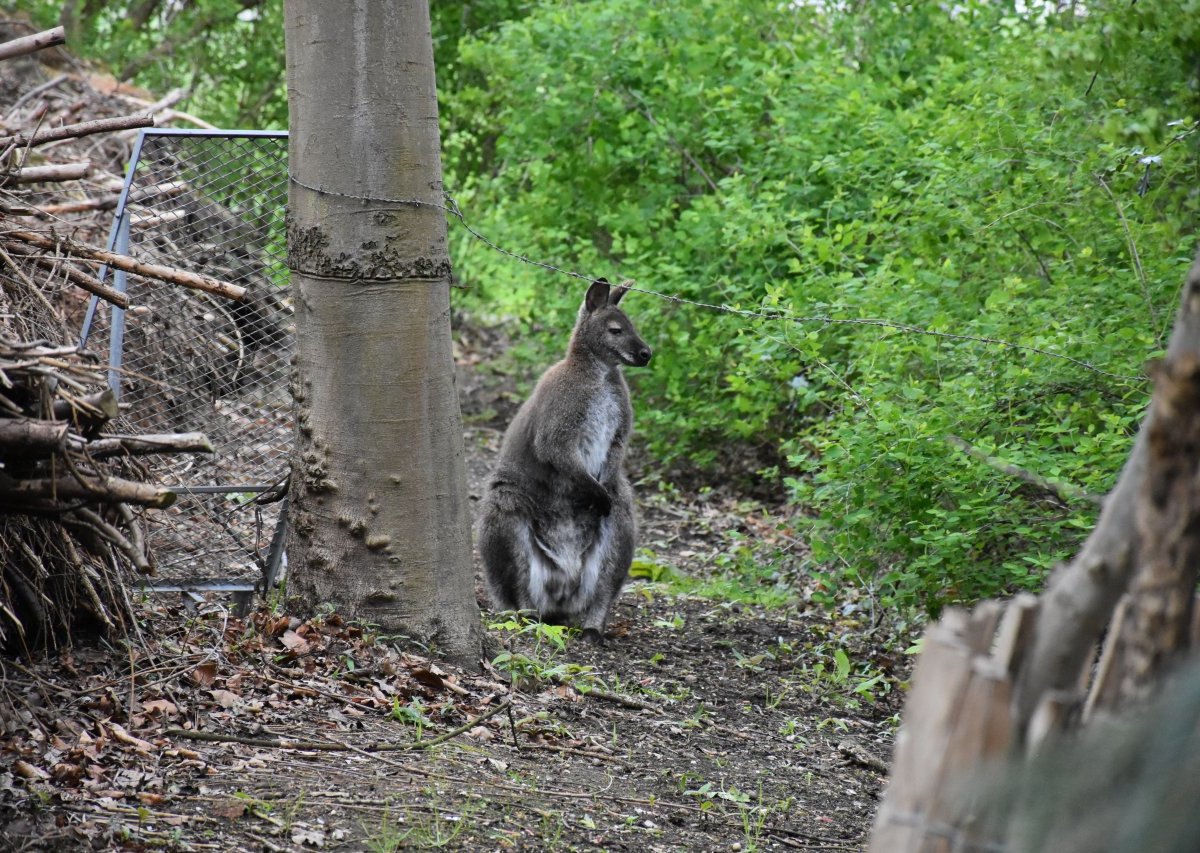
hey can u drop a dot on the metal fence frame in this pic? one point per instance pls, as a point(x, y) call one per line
point(120, 241)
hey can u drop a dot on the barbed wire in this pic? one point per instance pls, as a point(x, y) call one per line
point(777, 315)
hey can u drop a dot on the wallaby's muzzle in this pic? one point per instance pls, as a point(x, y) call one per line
point(640, 358)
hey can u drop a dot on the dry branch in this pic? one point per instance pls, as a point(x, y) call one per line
point(51, 174)
point(86, 282)
point(16, 493)
point(35, 91)
point(87, 413)
point(142, 445)
point(1064, 492)
point(33, 43)
point(132, 265)
point(74, 131)
point(38, 437)
point(78, 206)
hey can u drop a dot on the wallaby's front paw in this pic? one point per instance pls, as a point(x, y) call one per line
point(593, 636)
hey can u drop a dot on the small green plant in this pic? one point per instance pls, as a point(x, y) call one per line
point(673, 624)
point(551, 828)
point(746, 573)
point(536, 663)
point(438, 830)
point(652, 570)
point(411, 713)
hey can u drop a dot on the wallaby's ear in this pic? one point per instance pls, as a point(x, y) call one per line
point(597, 295)
point(620, 290)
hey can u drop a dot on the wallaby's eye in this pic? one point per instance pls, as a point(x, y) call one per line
point(614, 330)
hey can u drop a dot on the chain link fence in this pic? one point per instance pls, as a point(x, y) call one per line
point(211, 202)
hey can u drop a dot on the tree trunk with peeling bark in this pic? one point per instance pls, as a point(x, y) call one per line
point(380, 522)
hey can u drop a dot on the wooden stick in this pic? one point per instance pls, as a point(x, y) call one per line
point(80, 206)
point(32, 436)
point(141, 445)
point(53, 173)
point(87, 412)
point(33, 43)
point(132, 265)
point(74, 131)
point(92, 285)
point(37, 90)
point(18, 493)
point(333, 745)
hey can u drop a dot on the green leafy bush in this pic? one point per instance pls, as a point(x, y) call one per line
point(948, 172)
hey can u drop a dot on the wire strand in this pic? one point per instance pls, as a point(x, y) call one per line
point(452, 208)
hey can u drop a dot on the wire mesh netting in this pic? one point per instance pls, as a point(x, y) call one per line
point(186, 361)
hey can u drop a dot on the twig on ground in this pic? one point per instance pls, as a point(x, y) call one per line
point(626, 701)
point(334, 745)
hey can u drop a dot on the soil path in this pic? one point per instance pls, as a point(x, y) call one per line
point(702, 725)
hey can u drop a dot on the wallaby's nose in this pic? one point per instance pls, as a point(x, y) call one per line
point(644, 356)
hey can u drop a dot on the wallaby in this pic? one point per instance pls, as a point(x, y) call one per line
point(556, 527)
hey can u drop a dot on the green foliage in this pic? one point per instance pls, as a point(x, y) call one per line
point(949, 173)
point(227, 53)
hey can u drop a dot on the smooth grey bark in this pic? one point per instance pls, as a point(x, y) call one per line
point(380, 523)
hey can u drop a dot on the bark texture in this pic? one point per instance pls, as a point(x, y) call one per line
point(379, 512)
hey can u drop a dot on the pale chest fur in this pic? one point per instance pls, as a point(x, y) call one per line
point(602, 421)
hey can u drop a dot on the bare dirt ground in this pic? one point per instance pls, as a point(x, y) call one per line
point(703, 724)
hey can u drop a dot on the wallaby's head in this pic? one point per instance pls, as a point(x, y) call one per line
point(604, 332)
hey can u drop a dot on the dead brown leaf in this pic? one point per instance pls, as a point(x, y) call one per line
point(294, 643)
point(225, 698)
point(205, 674)
point(230, 809)
point(160, 706)
point(119, 734)
point(27, 771)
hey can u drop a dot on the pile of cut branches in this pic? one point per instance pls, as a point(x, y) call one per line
point(71, 488)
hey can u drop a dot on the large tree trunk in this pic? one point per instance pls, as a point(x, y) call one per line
point(379, 513)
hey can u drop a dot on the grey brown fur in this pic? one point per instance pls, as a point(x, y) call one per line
point(556, 527)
